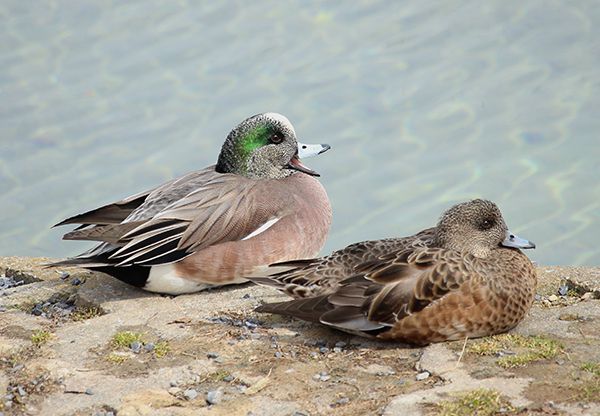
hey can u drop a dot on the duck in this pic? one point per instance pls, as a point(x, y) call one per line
point(217, 226)
point(464, 278)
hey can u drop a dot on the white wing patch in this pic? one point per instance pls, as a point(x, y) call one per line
point(262, 228)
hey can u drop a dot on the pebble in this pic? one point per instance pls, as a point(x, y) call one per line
point(135, 345)
point(278, 355)
point(323, 350)
point(422, 376)
point(340, 344)
point(273, 346)
point(191, 394)
point(75, 282)
point(325, 378)
point(149, 347)
point(317, 377)
point(3, 309)
point(20, 366)
point(228, 378)
point(21, 391)
point(90, 392)
point(213, 397)
point(437, 384)
point(343, 400)
point(560, 362)
point(212, 355)
point(552, 298)
point(563, 290)
point(218, 360)
point(8, 397)
point(232, 342)
point(337, 350)
point(314, 354)
point(64, 276)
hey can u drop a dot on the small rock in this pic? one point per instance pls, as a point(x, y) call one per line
point(340, 344)
point(343, 400)
point(218, 360)
point(246, 296)
point(586, 295)
point(423, 376)
point(232, 342)
point(437, 384)
point(337, 350)
point(8, 397)
point(21, 391)
point(135, 345)
point(212, 355)
point(552, 298)
point(190, 394)
point(64, 276)
point(89, 392)
point(323, 350)
point(213, 397)
point(75, 282)
point(273, 346)
point(316, 377)
point(560, 362)
point(3, 309)
point(325, 378)
point(149, 347)
point(278, 355)
point(228, 379)
point(563, 290)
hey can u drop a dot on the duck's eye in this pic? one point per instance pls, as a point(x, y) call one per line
point(277, 138)
point(487, 224)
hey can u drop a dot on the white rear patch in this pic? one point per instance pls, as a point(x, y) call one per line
point(162, 279)
point(262, 228)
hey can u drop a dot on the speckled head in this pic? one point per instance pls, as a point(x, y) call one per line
point(476, 227)
point(262, 146)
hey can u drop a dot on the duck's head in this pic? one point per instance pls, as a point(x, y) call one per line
point(476, 227)
point(265, 146)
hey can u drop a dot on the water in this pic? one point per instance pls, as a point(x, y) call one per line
point(425, 104)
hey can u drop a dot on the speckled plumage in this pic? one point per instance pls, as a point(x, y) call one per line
point(216, 226)
point(458, 279)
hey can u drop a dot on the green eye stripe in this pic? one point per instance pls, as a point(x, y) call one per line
point(252, 139)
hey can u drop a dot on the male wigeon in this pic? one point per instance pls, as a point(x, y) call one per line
point(466, 277)
point(258, 205)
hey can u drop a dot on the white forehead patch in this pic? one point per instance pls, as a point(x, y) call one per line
point(281, 119)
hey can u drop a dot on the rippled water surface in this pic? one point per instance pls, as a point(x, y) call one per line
point(425, 104)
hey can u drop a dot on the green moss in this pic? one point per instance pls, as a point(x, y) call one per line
point(124, 339)
point(532, 348)
point(476, 402)
point(161, 349)
point(81, 314)
point(40, 337)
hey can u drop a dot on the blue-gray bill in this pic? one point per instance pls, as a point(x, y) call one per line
point(513, 240)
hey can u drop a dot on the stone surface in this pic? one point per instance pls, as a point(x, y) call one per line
point(374, 377)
